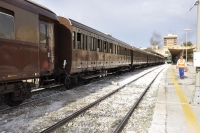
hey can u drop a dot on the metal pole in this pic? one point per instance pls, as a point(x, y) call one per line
point(186, 33)
point(196, 98)
point(186, 47)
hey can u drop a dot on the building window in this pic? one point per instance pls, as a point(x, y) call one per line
point(166, 52)
point(7, 28)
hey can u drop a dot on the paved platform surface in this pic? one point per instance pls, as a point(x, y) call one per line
point(173, 112)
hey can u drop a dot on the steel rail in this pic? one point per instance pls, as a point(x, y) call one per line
point(74, 115)
point(120, 127)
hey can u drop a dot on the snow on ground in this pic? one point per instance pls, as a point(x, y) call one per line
point(36, 117)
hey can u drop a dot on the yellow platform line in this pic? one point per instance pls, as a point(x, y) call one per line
point(189, 114)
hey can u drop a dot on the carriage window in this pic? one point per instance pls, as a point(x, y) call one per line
point(7, 29)
point(108, 48)
point(84, 47)
point(43, 34)
point(74, 39)
point(78, 40)
point(105, 47)
point(94, 43)
point(111, 48)
point(81, 41)
point(135, 54)
point(116, 49)
point(98, 45)
point(102, 48)
point(88, 42)
point(91, 44)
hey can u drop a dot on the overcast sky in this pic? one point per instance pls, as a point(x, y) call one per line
point(131, 21)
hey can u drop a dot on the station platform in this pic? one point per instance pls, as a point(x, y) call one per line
point(174, 112)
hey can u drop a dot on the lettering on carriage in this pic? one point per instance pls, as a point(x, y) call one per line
point(10, 76)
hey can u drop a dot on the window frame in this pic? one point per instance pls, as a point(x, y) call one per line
point(10, 13)
point(46, 25)
point(74, 39)
point(77, 40)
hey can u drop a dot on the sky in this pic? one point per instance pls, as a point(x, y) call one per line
point(131, 21)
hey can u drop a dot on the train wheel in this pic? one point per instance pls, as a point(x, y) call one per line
point(67, 83)
point(88, 81)
point(9, 101)
point(18, 96)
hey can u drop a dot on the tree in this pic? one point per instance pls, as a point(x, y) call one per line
point(189, 53)
point(188, 43)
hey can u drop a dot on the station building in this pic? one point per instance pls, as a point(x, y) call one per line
point(171, 49)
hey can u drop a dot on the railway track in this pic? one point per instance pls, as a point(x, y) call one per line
point(35, 100)
point(84, 109)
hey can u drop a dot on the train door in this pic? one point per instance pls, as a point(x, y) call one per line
point(46, 46)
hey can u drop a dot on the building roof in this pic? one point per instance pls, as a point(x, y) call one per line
point(170, 36)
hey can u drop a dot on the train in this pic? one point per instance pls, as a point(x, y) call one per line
point(40, 49)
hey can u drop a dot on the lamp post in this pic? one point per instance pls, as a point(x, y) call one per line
point(196, 97)
point(186, 31)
